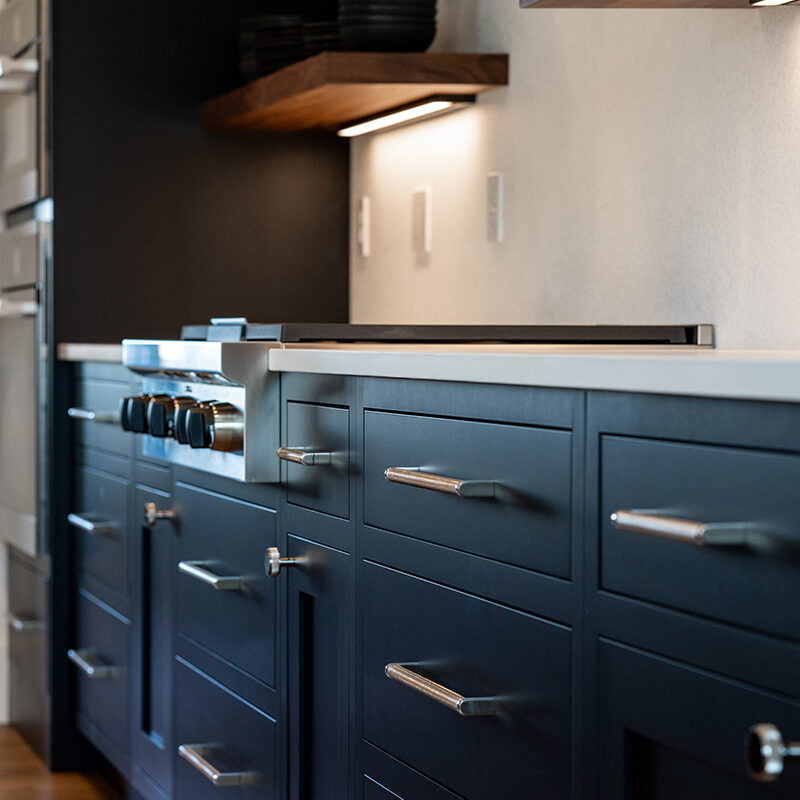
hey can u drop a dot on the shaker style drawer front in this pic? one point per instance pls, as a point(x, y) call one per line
point(99, 524)
point(504, 493)
point(738, 564)
point(677, 733)
point(225, 747)
point(225, 601)
point(95, 416)
point(470, 693)
point(317, 453)
point(101, 659)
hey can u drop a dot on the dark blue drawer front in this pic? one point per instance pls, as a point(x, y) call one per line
point(105, 700)
point(103, 397)
point(746, 585)
point(476, 648)
point(527, 524)
point(241, 738)
point(103, 498)
point(228, 537)
point(319, 428)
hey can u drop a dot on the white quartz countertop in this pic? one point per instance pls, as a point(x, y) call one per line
point(746, 374)
point(705, 372)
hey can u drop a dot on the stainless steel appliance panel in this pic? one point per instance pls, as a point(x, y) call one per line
point(19, 263)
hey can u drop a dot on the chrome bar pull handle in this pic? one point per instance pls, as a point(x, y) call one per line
point(90, 415)
point(15, 67)
point(765, 752)
point(308, 458)
point(717, 534)
point(87, 662)
point(274, 562)
point(153, 514)
point(200, 572)
point(466, 706)
point(21, 625)
point(98, 527)
point(414, 476)
point(197, 755)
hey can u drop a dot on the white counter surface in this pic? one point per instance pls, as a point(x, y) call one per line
point(110, 353)
point(747, 374)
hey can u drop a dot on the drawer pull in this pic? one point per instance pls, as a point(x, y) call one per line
point(765, 751)
point(98, 527)
point(196, 755)
point(153, 514)
point(106, 417)
point(683, 530)
point(414, 476)
point(274, 562)
point(198, 570)
point(307, 458)
point(24, 625)
point(466, 706)
point(87, 662)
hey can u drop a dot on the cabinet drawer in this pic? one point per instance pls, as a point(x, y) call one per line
point(742, 584)
point(676, 733)
point(324, 430)
point(105, 433)
point(527, 523)
point(100, 526)
point(102, 662)
point(233, 736)
point(227, 538)
point(479, 649)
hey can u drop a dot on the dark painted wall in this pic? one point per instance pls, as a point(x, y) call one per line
point(160, 223)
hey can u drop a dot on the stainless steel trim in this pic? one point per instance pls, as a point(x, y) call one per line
point(297, 455)
point(153, 514)
point(274, 562)
point(227, 433)
point(196, 755)
point(98, 527)
point(21, 625)
point(199, 571)
point(465, 706)
point(765, 752)
point(414, 476)
point(717, 534)
point(105, 417)
point(86, 660)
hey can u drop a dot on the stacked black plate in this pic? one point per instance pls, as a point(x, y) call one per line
point(387, 25)
point(268, 42)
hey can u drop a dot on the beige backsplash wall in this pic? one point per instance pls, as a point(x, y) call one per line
point(652, 169)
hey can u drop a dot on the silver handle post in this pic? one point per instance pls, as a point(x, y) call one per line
point(200, 572)
point(465, 706)
point(153, 514)
point(765, 752)
point(98, 527)
point(197, 755)
point(90, 415)
point(308, 458)
point(414, 476)
point(717, 534)
point(274, 562)
point(87, 662)
point(21, 625)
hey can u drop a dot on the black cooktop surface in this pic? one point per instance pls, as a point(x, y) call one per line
point(231, 330)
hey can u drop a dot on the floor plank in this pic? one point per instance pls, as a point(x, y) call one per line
point(24, 777)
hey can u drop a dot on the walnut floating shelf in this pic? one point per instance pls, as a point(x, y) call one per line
point(635, 4)
point(326, 91)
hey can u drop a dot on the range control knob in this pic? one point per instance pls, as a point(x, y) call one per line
point(161, 413)
point(199, 424)
point(227, 429)
point(179, 414)
point(133, 413)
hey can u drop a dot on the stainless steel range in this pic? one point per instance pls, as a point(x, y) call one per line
point(210, 402)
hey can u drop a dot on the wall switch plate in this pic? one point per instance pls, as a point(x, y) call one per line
point(421, 219)
point(494, 206)
point(364, 227)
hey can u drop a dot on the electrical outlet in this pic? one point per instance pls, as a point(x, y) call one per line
point(494, 206)
point(363, 226)
point(421, 220)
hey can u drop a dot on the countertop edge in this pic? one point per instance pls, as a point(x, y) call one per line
point(108, 353)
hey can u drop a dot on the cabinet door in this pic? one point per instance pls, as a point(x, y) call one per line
point(152, 645)
point(666, 731)
point(320, 592)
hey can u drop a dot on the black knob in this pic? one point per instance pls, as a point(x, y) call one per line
point(199, 425)
point(133, 413)
point(159, 415)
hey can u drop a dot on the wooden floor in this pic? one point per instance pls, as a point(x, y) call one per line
point(24, 777)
